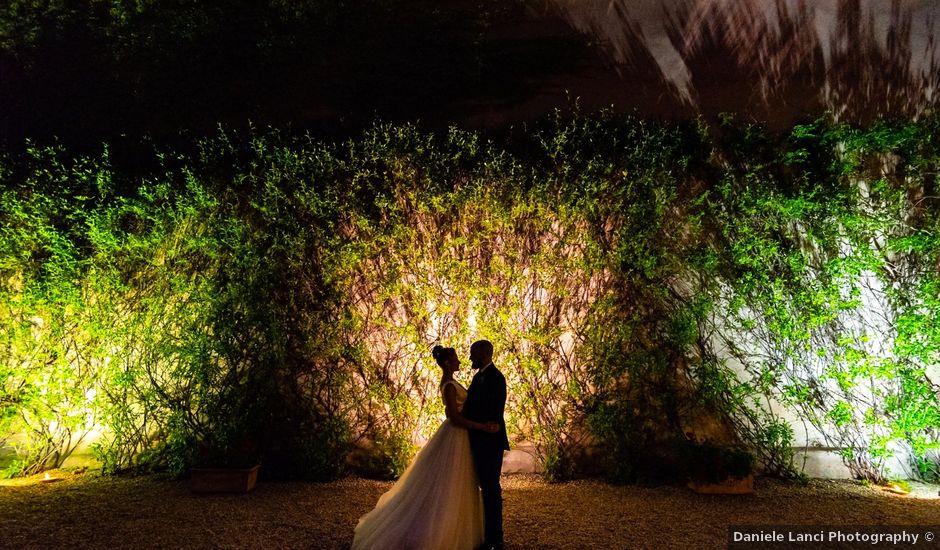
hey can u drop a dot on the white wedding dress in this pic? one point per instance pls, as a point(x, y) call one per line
point(435, 504)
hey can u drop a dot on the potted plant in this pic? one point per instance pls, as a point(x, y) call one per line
point(226, 466)
point(228, 444)
point(717, 469)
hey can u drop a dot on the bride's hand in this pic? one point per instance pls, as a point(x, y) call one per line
point(492, 427)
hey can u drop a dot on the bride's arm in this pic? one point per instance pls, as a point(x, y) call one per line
point(450, 408)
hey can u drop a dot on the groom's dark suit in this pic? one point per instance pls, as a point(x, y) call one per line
point(486, 401)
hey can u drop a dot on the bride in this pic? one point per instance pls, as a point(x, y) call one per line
point(436, 503)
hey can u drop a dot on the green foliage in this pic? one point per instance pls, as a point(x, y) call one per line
point(276, 298)
point(818, 295)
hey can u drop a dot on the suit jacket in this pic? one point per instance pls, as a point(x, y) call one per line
point(486, 402)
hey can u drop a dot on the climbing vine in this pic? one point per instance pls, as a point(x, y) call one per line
point(273, 297)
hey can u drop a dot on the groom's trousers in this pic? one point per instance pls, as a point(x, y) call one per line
point(489, 464)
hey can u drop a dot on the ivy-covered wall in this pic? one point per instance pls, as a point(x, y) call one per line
point(645, 285)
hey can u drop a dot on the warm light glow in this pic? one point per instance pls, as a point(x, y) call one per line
point(35, 479)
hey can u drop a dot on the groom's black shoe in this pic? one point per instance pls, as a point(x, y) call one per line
point(490, 546)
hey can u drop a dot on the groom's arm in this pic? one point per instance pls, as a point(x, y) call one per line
point(453, 413)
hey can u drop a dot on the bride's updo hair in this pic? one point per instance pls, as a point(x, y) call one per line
point(441, 354)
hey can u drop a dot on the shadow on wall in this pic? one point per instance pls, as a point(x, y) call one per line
point(775, 60)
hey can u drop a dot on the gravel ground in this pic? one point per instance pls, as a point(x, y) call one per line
point(84, 511)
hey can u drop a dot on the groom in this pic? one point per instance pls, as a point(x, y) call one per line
point(486, 400)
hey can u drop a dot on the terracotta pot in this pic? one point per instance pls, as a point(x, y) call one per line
point(730, 486)
point(223, 480)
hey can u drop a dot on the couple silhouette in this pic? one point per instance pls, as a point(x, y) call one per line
point(450, 496)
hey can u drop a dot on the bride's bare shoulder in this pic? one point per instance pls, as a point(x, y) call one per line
point(453, 384)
